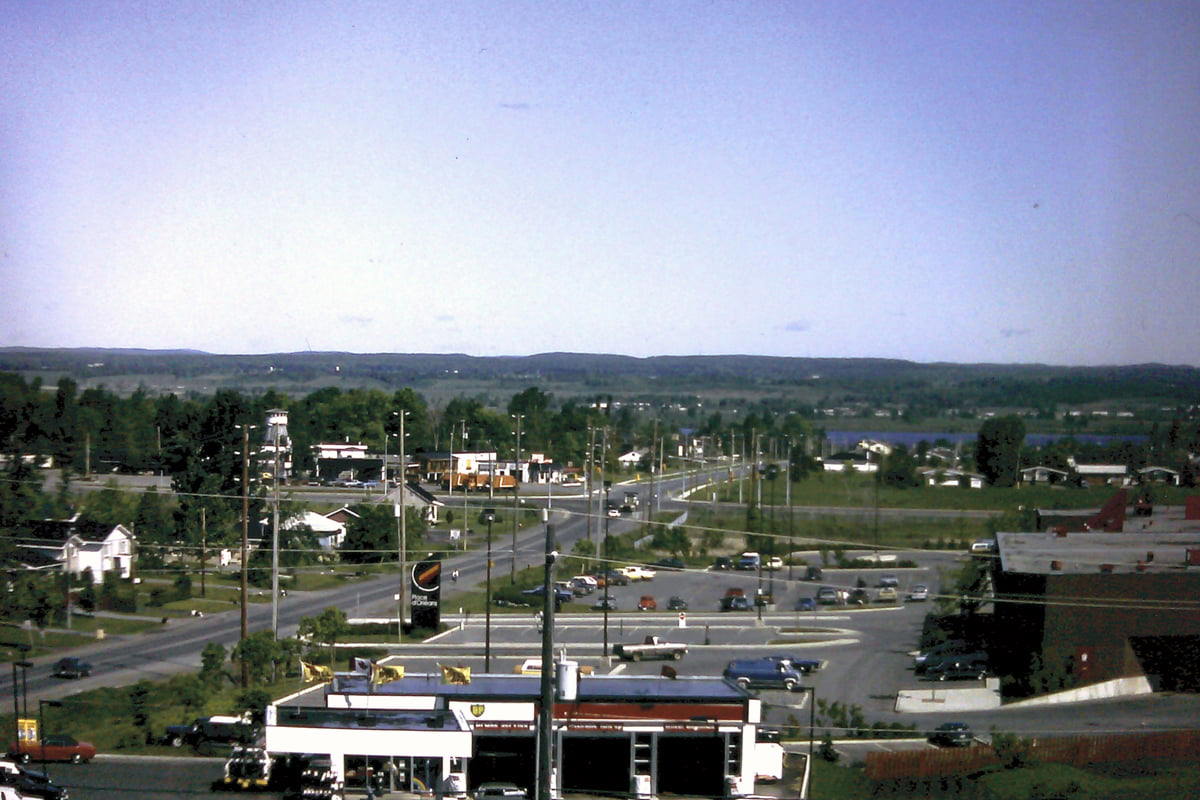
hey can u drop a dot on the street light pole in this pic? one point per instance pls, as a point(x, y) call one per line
point(487, 610)
point(42, 729)
point(546, 706)
point(512, 565)
point(245, 546)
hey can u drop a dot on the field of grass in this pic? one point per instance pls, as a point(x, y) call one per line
point(857, 491)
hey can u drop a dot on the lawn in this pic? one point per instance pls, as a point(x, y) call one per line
point(858, 491)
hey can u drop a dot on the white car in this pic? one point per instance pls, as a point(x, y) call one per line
point(774, 563)
point(636, 572)
point(919, 593)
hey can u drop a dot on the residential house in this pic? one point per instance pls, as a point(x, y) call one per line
point(631, 459)
point(1096, 474)
point(1043, 475)
point(846, 462)
point(1158, 475)
point(937, 476)
point(76, 545)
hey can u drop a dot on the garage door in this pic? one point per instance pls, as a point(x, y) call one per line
point(596, 764)
point(693, 765)
point(504, 758)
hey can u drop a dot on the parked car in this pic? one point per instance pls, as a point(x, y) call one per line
point(983, 546)
point(636, 572)
point(764, 673)
point(677, 603)
point(488, 790)
point(858, 597)
point(582, 585)
point(216, 729)
point(669, 563)
point(533, 666)
point(53, 747)
point(940, 649)
point(957, 672)
point(887, 594)
point(919, 593)
point(806, 604)
point(735, 603)
point(952, 734)
point(829, 596)
point(722, 563)
point(804, 665)
point(774, 563)
point(610, 577)
point(749, 560)
point(613, 511)
point(651, 647)
point(561, 594)
point(971, 660)
point(647, 603)
point(30, 782)
point(603, 603)
point(813, 574)
point(72, 667)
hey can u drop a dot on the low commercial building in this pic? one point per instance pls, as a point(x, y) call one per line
point(1114, 601)
point(613, 734)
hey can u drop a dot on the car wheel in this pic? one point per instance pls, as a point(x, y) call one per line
point(637, 656)
point(176, 741)
point(743, 682)
point(677, 655)
point(789, 685)
point(23, 758)
point(76, 758)
point(942, 677)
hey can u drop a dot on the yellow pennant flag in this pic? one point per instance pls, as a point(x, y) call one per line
point(385, 673)
point(459, 676)
point(315, 672)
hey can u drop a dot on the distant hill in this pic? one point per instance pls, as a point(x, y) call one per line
point(901, 381)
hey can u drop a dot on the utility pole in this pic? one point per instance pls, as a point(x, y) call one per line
point(402, 533)
point(589, 465)
point(464, 447)
point(203, 552)
point(245, 543)
point(450, 480)
point(546, 706)
point(87, 455)
point(275, 535)
point(512, 567)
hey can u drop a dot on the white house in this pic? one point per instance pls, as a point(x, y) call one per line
point(847, 462)
point(329, 533)
point(631, 459)
point(77, 546)
point(1043, 475)
point(933, 476)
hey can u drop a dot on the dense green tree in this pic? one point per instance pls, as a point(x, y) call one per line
point(899, 470)
point(998, 448)
point(259, 652)
point(325, 628)
point(212, 664)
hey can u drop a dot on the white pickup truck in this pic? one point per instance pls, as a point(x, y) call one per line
point(652, 647)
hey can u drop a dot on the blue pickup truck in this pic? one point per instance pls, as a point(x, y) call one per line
point(764, 673)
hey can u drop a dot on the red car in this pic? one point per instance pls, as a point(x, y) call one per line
point(55, 747)
point(647, 603)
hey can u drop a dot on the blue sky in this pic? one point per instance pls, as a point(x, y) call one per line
point(1003, 182)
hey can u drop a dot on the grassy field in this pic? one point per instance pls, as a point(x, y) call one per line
point(857, 491)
